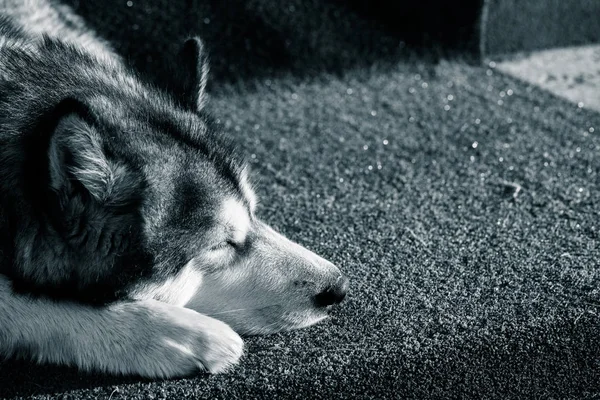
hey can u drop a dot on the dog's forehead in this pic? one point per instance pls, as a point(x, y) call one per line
point(209, 149)
point(189, 159)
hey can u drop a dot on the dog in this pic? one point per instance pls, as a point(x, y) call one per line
point(129, 240)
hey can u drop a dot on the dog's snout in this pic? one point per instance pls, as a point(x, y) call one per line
point(333, 294)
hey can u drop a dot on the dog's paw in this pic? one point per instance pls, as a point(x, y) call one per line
point(223, 347)
point(175, 341)
point(146, 338)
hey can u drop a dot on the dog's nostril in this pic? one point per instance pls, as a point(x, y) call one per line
point(333, 294)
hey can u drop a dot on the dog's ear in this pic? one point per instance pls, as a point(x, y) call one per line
point(191, 74)
point(77, 160)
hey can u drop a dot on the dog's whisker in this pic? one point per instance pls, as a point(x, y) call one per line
point(228, 311)
point(243, 309)
point(266, 328)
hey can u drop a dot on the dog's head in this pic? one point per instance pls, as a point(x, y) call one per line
point(234, 266)
point(260, 282)
point(148, 200)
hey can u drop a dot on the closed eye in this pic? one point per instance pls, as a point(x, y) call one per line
point(226, 244)
point(232, 243)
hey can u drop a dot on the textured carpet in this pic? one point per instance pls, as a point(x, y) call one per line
point(463, 204)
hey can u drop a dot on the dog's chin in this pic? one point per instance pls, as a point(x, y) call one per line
point(311, 318)
point(286, 322)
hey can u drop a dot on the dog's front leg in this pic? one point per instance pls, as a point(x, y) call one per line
point(146, 338)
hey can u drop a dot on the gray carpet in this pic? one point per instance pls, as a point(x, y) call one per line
point(464, 206)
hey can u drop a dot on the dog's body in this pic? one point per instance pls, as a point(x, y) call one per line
point(120, 205)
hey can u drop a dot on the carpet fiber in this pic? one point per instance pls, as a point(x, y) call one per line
point(464, 206)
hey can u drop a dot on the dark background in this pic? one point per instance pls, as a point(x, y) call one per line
point(380, 141)
point(258, 38)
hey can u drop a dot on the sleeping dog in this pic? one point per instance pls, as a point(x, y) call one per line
point(129, 242)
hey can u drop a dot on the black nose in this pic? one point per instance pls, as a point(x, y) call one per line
point(333, 294)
